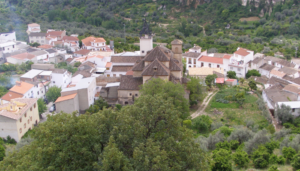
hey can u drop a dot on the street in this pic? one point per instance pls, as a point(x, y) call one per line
point(44, 115)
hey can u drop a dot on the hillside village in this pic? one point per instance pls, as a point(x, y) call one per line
point(93, 71)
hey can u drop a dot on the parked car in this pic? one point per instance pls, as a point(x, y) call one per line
point(52, 108)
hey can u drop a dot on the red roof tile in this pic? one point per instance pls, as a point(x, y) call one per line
point(220, 80)
point(129, 72)
point(227, 56)
point(108, 64)
point(211, 59)
point(11, 95)
point(45, 46)
point(23, 56)
point(242, 52)
point(83, 52)
point(64, 98)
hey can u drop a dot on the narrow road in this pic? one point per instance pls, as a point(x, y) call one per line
point(204, 105)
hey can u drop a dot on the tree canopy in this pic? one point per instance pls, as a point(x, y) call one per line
point(53, 93)
point(168, 90)
point(145, 136)
point(195, 89)
point(41, 106)
point(231, 74)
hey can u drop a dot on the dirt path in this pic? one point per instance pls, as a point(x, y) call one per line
point(203, 106)
point(203, 30)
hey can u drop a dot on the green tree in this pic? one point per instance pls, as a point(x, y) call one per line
point(210, 79)
point(184, 65)
point(252, 85)
point(98, 105)
point(3, 91)
point(296, 162)
point(202, 123)
point(222, 160)
point(242, 80)
point(288, 153)
point(231, 74)
point(240, 158)
point(261, 157)
point(252, 72)
point(53, 93)
point(77, 64)
point(41, 106)
point(195, 89)
point(2, 151)
point(147, 135)
point(168, 90)
point(283, 114)
point(35, 44)
point(273, 168)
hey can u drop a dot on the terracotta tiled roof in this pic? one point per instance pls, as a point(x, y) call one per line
point(204, 71)
point(230, 80)
point(191, 54)
point(211, 59)
point(23, 56)
point(121, 68)
point(160, 53)
point(87, 41)
point(274, 80)
point(176, 42)
point(84, 73)
point(22, 109)
point(242, 52)
point(257, 60)
point(295, 80)
point(288, 70)
point(129, 72)
point(11, 95)
point(108, 65)
point(21, 87)
point(174, 66)
point(277, 73)
point(267, 67)
point(82, 52)
point(33, 25)
point(45, 46)
point(292, 88)
point(70, 38)
point(55, 33)
point(156, 68)
point(64, 98)
point(69, 60)
point(125, 59)
point(128, 82)
point(227, 56)
point(286, 63)
point(220, 80)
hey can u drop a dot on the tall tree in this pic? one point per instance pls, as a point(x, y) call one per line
point(53, 93)
point(145, 136)
point(195, 89)
point(41, 106)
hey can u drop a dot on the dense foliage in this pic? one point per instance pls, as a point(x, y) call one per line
point(53, 93)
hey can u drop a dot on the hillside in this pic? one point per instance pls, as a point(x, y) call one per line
point(272, 28)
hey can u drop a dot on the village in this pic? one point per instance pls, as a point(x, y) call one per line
point(117, 77)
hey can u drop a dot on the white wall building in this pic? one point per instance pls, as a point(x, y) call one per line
point(7, 36)
point(61, 78)
point(8, 47)
point(33, 28)
point(146, 44)
point(93, 43)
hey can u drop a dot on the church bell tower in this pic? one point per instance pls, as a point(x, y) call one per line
point(146, 39)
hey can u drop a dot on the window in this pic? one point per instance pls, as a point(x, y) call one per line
point(231, 68)
point(25, 115)
point(28, 121)
point(239, 69)
point(20, 130)
point(24, 125)
point(13, 46)
point(21, 120)
point(218, 66)
point(30, 118)
point(31, 109)
point(126, 103)
point(34, 105)
point(293, 110)
point(130, 94)
point(107, 68)
point(209, 65)
point(136, 95)
point(38, 92)
point(143, 51)
point(108, 75)
point(53, 81)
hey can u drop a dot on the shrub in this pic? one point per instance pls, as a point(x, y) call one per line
point(216, 125)
point(212, 140)
point(283, 114)
point(288, 153)
point(10, 140)
point(259, 138)
point(296, 162)
point(261, 157)
point(234, 144)
point(223, 145)
point(202, 123)
point(187, 123)
point(280, 160)
point(241, 158)
point(224, 130)
point(241, 135)
point(273, 159)
point(222, 160)
point(2, 152)
point(273, 168)
point(271, 146)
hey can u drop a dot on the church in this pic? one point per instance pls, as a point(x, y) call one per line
point(159, 62)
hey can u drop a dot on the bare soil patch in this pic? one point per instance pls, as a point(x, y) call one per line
point(250, 19)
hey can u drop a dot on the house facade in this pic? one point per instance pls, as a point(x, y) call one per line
point(37, 37)
point(60, 78)
point(33, 28)
point(93, 43)
point(17, 117)
point(7, 36)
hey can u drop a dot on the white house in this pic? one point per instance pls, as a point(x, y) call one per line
point(61, 78)
point(93, 43)
point(7, 36)
point(33, 28)
point(266, 69)
point(192, 56)
point(42, 56)
point(38, 38)
point(290, 72)
point(211, 62)
point(239, 61)
point(21, 58)
point(295, 106)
